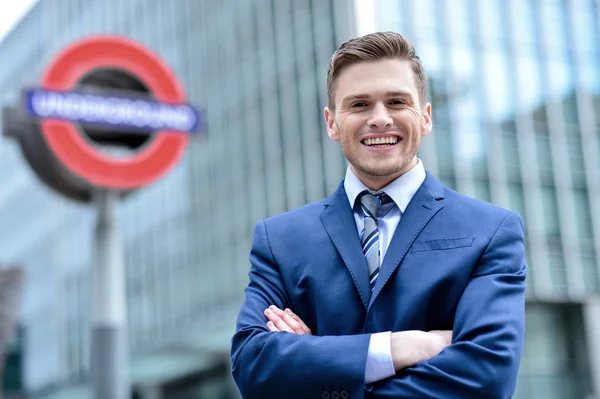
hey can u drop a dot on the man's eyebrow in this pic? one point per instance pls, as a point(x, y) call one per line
point(365, 96)
point(401, 93)
point(356, 97)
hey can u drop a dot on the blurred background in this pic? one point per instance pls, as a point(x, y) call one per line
point(515, 88)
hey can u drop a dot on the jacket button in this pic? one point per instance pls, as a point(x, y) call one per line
point(326, 395)
point(344, 394)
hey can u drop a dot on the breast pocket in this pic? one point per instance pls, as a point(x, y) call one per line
point(441, 244)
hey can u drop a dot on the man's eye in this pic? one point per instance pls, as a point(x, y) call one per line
point(359, 105)
point(398, 102)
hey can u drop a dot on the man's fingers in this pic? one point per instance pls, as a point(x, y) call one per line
point(285, 321)
point(277, 321)
point(289, 321)
point(299, 320)
point(272, 327)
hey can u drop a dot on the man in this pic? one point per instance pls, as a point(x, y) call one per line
point(394, 286)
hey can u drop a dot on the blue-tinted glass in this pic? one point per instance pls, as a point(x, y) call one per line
point(558, 274)
point(482, 190)
point(560, 79)
point(591, 277)
point(516, 200)
point(500, 99)
point(458, 20)
point(430, 55)
point(543, 151)
point(423, 21)
point(550, 211)
point(582, 213)
point(546, 366)
point(393, 15)
point(589, 77)
point(491, 28)
point(521, 17)
point(511, 152)
point(551, 17)
point(529, 83)
point(575, 155)
point(583, 21)
point(465, 107)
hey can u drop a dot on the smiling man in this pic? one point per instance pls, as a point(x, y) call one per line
point(395, 286)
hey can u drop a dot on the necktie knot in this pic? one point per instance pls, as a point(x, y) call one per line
point(371, 202)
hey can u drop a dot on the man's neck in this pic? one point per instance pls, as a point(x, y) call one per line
point(376, 183)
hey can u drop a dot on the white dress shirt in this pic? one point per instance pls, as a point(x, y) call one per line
point(401, 191)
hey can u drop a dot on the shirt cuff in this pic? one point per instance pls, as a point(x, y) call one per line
point(380, 364)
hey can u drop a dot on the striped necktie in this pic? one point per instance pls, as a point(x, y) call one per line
point(370, 204)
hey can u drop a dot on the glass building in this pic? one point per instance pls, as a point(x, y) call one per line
point(515, 89)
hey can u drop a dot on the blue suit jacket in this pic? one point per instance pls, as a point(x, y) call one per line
point(453, 263)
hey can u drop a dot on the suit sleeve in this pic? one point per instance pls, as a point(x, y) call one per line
point(483, 359)
point(283, 365)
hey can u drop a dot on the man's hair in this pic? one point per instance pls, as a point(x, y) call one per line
point(372, 47)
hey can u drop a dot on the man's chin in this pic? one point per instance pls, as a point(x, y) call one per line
point(389, 172)
point(380, 169)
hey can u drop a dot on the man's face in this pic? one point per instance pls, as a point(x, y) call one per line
point(378, 119)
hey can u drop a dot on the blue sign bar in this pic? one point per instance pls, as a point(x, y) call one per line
point(112, 111)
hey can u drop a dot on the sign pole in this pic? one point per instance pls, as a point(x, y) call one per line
point(109, 363)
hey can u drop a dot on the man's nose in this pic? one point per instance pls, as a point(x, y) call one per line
point(380, 117)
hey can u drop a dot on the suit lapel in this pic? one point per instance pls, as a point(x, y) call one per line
point(423, 206)
point(338, 220)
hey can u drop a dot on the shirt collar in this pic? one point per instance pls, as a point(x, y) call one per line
point(400, 190)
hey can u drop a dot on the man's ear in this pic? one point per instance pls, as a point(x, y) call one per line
point(332, 129)
point(427, 123)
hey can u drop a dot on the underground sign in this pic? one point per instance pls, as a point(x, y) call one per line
point(62, 109)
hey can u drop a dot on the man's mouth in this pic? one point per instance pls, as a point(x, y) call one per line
point(381, 142)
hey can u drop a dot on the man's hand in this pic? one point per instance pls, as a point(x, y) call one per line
point(412, 347)
point(287, 320)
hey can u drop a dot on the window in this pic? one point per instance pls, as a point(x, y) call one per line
point(551, 366)
point(522, 26)
point(516, 200)
point(583, 215)
point(498, 86)
point(591, 277)
point(510, 143)
point(424, 18)
point(482, 190)
point(575, 154)
point(543, 150)
point(550, 211)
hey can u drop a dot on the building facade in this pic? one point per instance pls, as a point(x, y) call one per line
point(515, 88)
point(514, 85)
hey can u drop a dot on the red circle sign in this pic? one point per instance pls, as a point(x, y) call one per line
point(72, 149)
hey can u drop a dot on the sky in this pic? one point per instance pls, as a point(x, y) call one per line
point(11, 12)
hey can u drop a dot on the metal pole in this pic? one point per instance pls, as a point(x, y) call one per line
point(109, 352)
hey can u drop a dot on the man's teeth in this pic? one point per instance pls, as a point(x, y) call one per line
point(381, 140)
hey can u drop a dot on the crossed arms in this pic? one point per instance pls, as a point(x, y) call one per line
point(481, 361)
